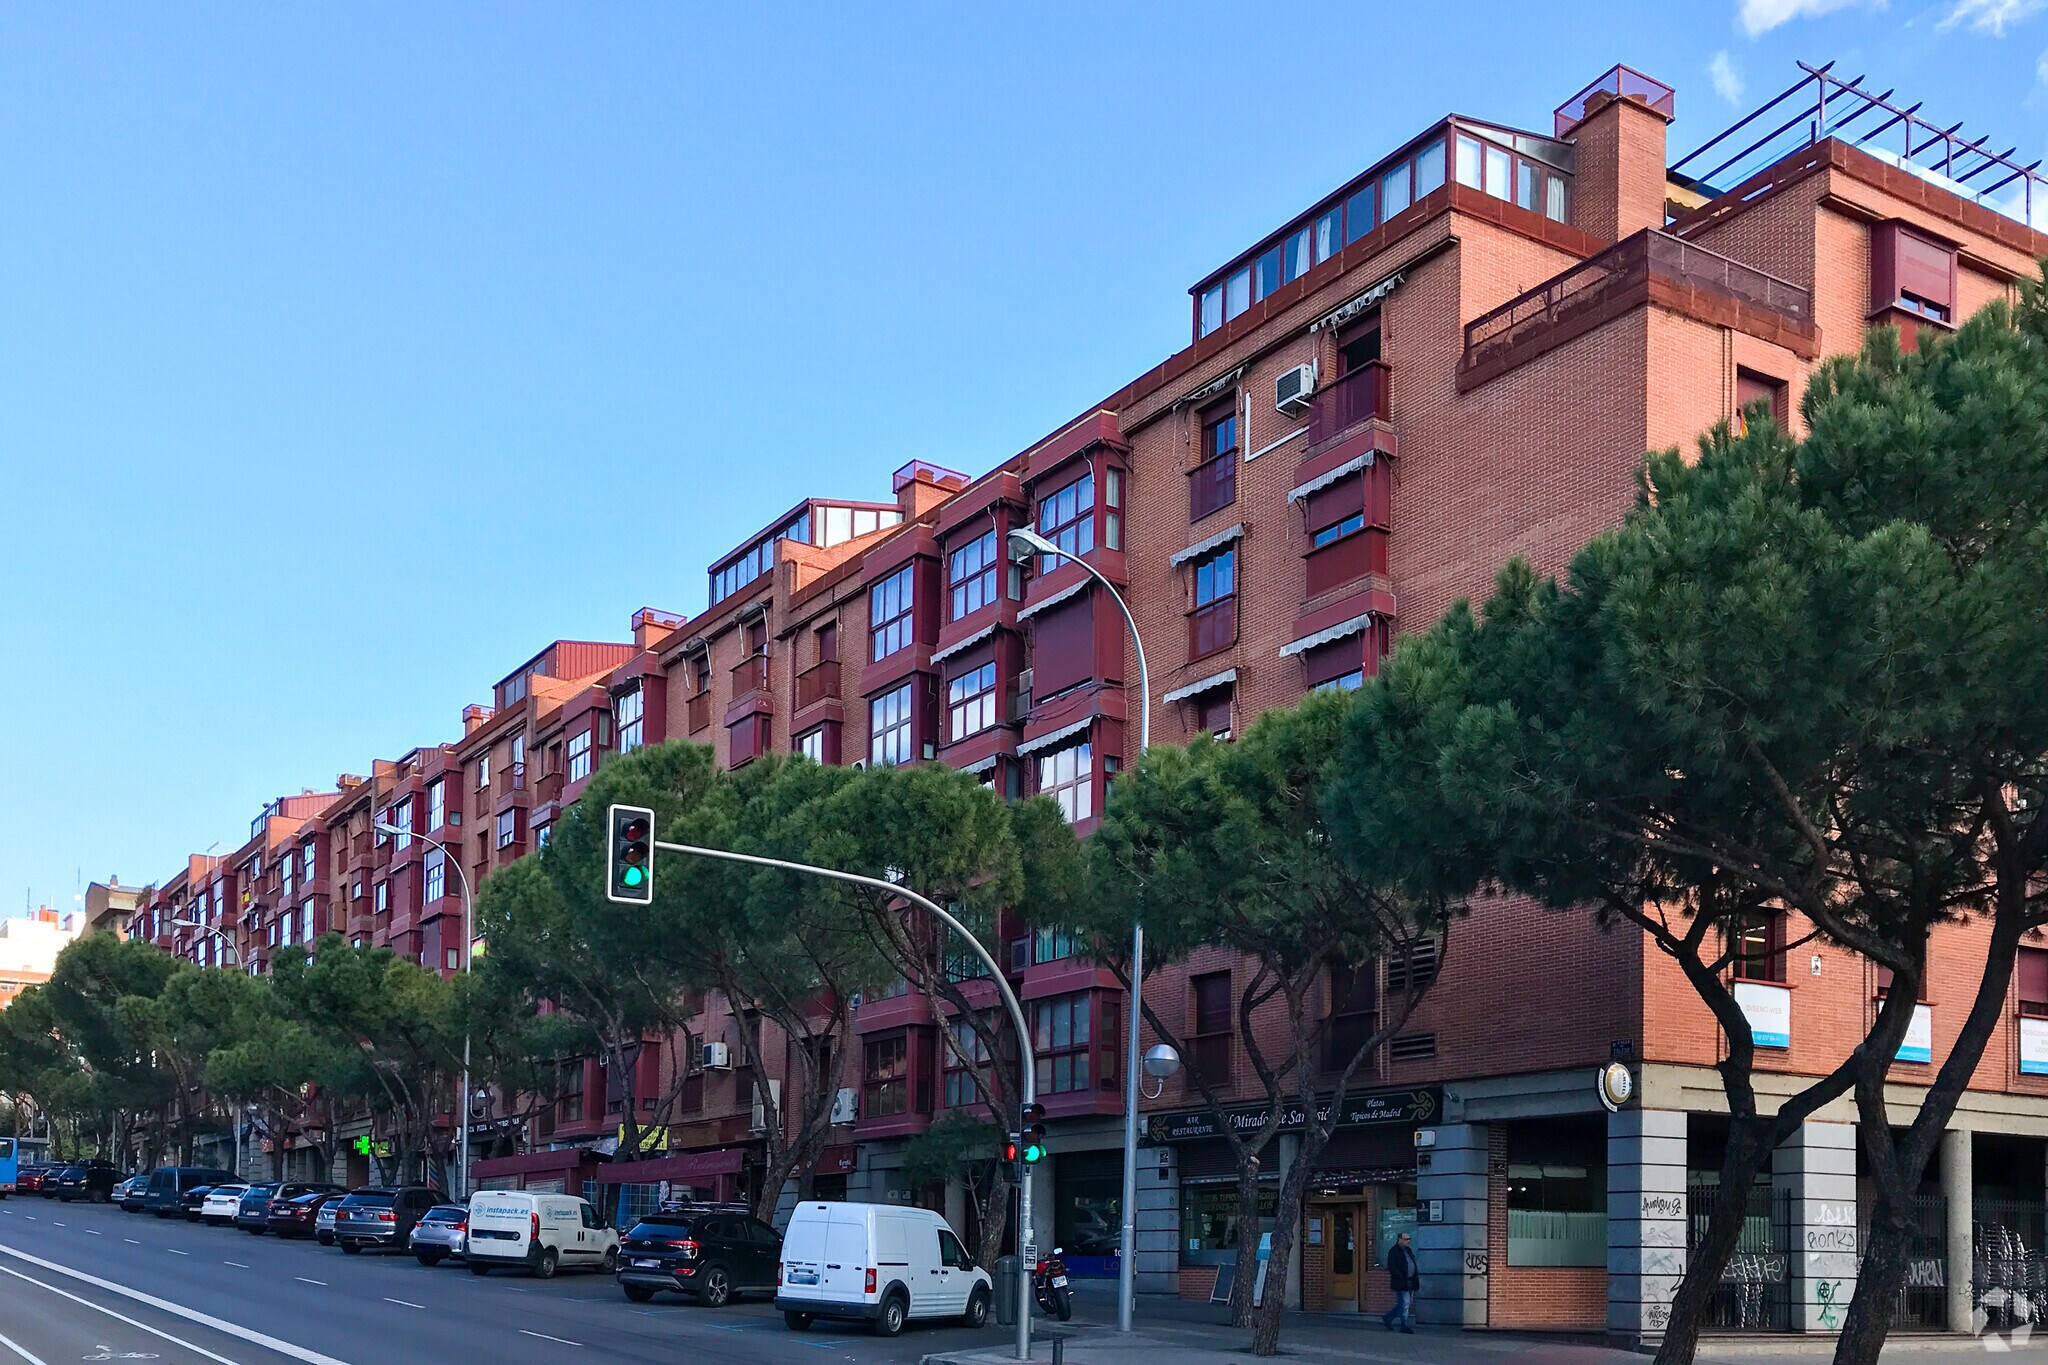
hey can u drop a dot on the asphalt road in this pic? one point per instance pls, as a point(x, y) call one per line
point(90, 1283)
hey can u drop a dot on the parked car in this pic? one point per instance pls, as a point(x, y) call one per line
point(323, 1222)
point(883, 1263)
point(221, 1204)
point(301, 1217)
point(122, 1189)
point(381, 1218)
point(168, 1186)
point(709, 1252)
point(440, 1234)
point(30, 1179)
point(130, 1199)
point(542, 1233)
point(92, 1181)
point(255, 1214)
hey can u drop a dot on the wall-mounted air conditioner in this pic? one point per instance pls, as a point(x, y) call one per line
point(1293, 388)
point(715, 1057)
point(846, 1105)
point(759, 1122)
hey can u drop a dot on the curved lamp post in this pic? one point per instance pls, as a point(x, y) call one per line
point(461, 1190)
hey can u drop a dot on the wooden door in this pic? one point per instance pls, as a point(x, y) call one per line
point(1349, 1261)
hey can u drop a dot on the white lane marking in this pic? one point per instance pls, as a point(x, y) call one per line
point(20, 1350)
point(404, 1303)
point(236, 1264)
point(118, 1317)
point(55, 1223)
point(131, 1241)
point(303, 1280)
point(31, 1217)
point(545, 1337)
point(175, 1252)
point(233, 1329)
point(92, 1232)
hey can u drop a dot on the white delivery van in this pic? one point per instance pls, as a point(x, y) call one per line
point(883, 1263)
point(542, 1233)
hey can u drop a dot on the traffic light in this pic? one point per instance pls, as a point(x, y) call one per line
point(629, 858)
point(1031, 1141)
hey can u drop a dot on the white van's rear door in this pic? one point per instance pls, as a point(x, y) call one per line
point(844, 1276)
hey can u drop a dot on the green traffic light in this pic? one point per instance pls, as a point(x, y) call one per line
point(1034, 1152)
point(633, 876)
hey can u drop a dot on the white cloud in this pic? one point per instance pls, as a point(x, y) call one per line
point(1727, 80)
point(1761, 16)
point(1991, 16)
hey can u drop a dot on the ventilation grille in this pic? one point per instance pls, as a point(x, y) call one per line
point(1417, 961)
point(1412, 1047)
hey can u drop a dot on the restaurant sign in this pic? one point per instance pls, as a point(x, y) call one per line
point(1421, 1105)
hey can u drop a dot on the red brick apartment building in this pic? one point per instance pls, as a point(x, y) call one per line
point(1457, 356)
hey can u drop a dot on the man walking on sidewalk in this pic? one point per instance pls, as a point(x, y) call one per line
point(1405, 1278)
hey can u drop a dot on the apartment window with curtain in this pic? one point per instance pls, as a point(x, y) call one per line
point(889, 728)
point(2030, 973)
point(435, 875)
point(437, 804)
point(971, 574)
point(1066, 517)
point(306, 922)
point(629, 710)
point(1212, 624)
point(1060, 1040)
point(1212, 711)
point(1210, 1038)
point(1051, 945)
point(1212, 483)
point(889, 613)
point(483, 771)
point(579, 756)
point(1068, 777)
point(1338, 666)
point(885, 1077)
point(287, 873)
point(971, 702)
point(508, 828)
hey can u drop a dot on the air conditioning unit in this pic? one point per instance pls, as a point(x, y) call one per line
point(715, 1057)
point(1292, 389)
point(759, 1123)
point(1020, 955)
point(846, 1105)
point(858, 764)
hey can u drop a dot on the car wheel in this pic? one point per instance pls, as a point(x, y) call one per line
point(325, 1239)
point(351, 1249)
point(717, 1287)
point(477, 1268)
point(890, 1321)
point(544, 1269)
point(611, 1260)
point(977, 1309)
point(638, 1293)
point(427, 1258)
point(797, 1322)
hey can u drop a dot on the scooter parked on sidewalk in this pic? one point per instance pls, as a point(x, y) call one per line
point(1049, 1286)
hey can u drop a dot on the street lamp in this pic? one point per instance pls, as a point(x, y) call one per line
point(1029, 1079)
point(1161, 1062)
point(468, 954)
point(1023, 544)
point(234, 960)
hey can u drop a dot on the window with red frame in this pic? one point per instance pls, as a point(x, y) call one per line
point(1758, 950)
point(1354, 1013)
point(971, 702)
point(1212, 625)
point(1912, 272)
point(748, 739)
point(1212, 711)
point(958, 1087)
point(971, 574)
point(1066, 517)
point(2030, 972)
point(1210, 1037)
point(885, 1077)
point(1068, 777)
point(889, 614)
point(1338, 666)
point(1338, 550)
point(1212, 483)
point(569, 1100)
point(1060, 1041)
point(1752, 388)
point(890, 739)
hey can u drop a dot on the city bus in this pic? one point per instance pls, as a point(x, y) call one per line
point(8, 1167)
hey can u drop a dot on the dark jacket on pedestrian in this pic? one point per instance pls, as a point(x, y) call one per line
point(1402, 1273)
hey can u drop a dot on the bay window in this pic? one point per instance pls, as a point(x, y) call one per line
point(437, 804)
point(630, 711)
point(885, 1077)
point(889, 728)
point(435, 875)
point(971, 702)
point(579, 756)
point(1212, 625)
point(1068, 777)
point(1066, 517)
point(889, 613)
point(971, 574)
point(1060, 1041)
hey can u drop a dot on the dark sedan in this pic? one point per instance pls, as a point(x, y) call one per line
point(254, 1215)
point(92, 1181)
point(297, 1217)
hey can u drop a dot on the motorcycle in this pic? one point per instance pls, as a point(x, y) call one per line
point(1049, 1286)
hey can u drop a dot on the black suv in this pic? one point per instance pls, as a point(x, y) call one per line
point(92, 1181)
point(254, 1215)
point(382, 1218)
point(709, 1251)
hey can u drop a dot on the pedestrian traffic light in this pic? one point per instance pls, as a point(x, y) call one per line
point(1031, 1141)
point(629, 858)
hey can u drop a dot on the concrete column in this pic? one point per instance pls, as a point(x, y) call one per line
point(1958, 1186)
point(1450, 1227)
point(1816, 1170)
point(1158, 1266)
point(1645, 1220)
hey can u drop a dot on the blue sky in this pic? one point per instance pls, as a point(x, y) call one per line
point(351, 353)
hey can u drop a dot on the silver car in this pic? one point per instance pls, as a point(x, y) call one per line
point(323, 1222)
point(440, 1233)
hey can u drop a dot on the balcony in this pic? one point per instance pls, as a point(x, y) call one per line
point(549, 788)
point(819, 682)
point(1650, 267)
point(509, 780)
point(1349, 403)
point(699, 708)
point(750, 675)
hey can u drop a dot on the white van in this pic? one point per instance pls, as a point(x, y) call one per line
point(542, 1233)
point(883, 1263)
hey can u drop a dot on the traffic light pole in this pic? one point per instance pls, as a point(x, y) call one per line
point(995, 972)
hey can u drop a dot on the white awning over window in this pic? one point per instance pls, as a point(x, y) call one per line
point(970, 642)
point(1047, 741)
point(1323, 637)
point(1202, 547)
point(980, 765)
point(1054, 600)
point(1322, 481)
point(1208, 684)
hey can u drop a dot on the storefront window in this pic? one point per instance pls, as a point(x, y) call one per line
point(1396, 1215)
point(1208, 1221)
point(1087, 1217)
point(1557, 1193)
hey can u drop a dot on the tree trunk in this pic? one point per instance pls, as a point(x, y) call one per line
point(1749, 1147)
point(1247, 1240)
point(1878, 1279)
point(1266, 1325)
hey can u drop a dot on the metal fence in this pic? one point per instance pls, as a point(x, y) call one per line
point(1923, 1298)
point(2009, 1274)
point(1755, 1293)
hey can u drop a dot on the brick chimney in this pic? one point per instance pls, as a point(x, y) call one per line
point(473, 717)
point(652, 626)
point(1618, 186)
point(922, 486)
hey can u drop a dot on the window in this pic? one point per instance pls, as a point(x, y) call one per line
point(1212, 483)
point(811, 744)
point(1113, 499)
point(435, 874)
point(971, 702)
point(1051, 945)
point(309, 862)
point(971, 572)
point(1557, 1192)
point(1354, 1014)
point(579, 756)
point(540, 835)
point(1059, 1038)
point(305, 921)
point(400, 818)
point(746, 739)
point(1752, 388)
point(1337, 530)
point(1337, 666)
point(1211, 1037)
point(1361, 213)
point(885, 1077)
point(1758, 949)
point(569, 1101)
point(287, 872)
point(1068, 777)
point(1912, 272)
point(958, 1085)
point(889, 612)
point(437, 804)
point(483, 772)
point(629, 710)
point(383, 898)
point(1208, 1220)
point(2031, 974)
point(1212, 711)
point(1213, 623)
point(1067, 519)
point(889, 728)
point(508, 828)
